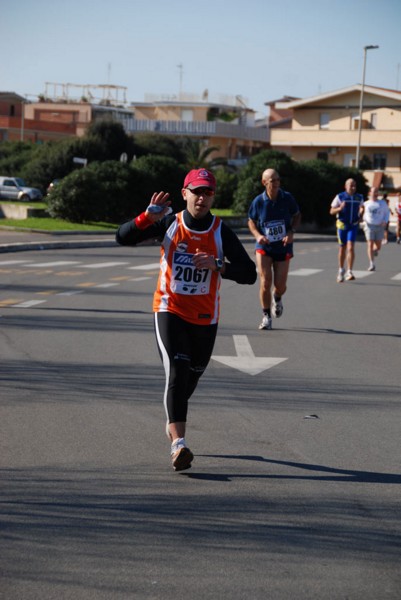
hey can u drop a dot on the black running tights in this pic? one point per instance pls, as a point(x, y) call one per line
point(185, 350)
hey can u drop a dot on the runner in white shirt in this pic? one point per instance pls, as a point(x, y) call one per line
point(376, 215)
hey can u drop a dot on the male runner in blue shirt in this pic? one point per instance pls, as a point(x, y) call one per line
point(272, 219)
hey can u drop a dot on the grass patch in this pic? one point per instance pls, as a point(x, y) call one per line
point(223, 212)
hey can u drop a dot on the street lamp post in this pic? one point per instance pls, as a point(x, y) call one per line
point(358, 148)
point(22, 120)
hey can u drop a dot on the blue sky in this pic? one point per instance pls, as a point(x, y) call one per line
point(258, 49)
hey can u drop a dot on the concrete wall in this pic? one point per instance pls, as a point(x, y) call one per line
point(17, 211)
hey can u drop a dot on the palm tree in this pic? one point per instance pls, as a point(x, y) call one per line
point(197, 154)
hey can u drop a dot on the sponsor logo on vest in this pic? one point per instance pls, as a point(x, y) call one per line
point(183, 259)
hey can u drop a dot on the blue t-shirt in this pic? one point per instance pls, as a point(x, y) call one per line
point(273, 218)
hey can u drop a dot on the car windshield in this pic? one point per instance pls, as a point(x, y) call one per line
point(20, 181)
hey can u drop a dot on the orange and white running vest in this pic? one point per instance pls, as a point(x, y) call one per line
point(190, 293)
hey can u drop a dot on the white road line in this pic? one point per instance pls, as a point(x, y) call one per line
point(104, 265)
point(150, 266)
point(106, 285)
point(305, 272)
point(29, 303)
point(397, 277)
point(14, 262)
point(70, 293)
point(140, 278)
point(361, 274)
point(56, 263)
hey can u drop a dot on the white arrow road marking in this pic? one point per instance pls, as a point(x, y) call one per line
point(245, 360)
point(305, 272)
point(361, 274)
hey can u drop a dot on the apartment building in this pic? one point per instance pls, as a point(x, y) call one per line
point(327, 127)
point(52, 119)
point(229, 125)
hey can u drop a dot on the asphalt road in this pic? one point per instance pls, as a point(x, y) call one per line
point(295, 487)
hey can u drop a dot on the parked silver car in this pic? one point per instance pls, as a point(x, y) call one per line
point(14, 188)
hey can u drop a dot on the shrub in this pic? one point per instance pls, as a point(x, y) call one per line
point(78, 198)
point(314, 184)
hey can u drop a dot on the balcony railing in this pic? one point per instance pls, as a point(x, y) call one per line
point(313, 137)
point(200, 129)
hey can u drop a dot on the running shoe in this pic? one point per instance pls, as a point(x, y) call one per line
point(181, 456)
point(349, 276)
point(266, 323)
point(277, 308)
point(340, 276)
point(372, 267)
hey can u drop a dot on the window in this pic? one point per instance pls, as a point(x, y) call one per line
point(187, 114)
point(373, 120)
point(354, 121)
point(379, 161)
point(324, 120)
point(323, 156)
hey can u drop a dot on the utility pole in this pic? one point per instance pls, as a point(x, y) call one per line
point(358, 148)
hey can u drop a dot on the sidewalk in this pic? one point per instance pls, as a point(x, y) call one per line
point(12, 240)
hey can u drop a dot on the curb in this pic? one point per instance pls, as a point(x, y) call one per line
point(23, 246)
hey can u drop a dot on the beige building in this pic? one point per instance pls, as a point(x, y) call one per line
point(327, 127)
point(228, 125)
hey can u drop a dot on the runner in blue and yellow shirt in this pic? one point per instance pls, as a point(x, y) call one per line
point(347, 208)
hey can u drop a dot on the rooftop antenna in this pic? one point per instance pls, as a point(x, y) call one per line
point(180, 67)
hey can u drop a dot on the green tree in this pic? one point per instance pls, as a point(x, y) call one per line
point(225, 189)
point(111, 138)
point(197, 154)
point(78, 198)
point(104, 140)
point(161, 173)
point(249, 177)
point(314, 184)
point(159, 145)
point(13, 157)
point(322, 181)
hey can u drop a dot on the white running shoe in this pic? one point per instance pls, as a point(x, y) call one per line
point(340, 276)
point(266, 323)
point(372, 267)
point(349, 276)
point(181, 455)
point(277, 308)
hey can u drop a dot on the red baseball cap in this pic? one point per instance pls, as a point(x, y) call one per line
point(200, 178)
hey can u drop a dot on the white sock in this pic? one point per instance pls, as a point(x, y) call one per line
point(178, 443)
